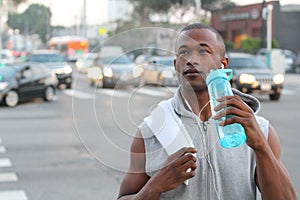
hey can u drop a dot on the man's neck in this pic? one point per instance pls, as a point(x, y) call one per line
point(198, 102)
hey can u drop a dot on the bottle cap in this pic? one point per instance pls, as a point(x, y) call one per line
point(218, 73)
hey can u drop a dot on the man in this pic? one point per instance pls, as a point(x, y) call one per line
point(207, 171)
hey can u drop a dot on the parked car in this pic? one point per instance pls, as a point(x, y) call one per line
point(56, 62)
point(289, 57)
point(24, 81)
point(160, 71)
point(121, 71)
point(251, 75)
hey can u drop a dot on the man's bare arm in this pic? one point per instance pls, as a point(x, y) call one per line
point(174, 171)
point(271, 176)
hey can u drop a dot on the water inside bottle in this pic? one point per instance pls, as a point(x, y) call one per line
point(236, 135)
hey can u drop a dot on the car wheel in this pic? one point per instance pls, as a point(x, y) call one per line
point(11, 98)
point(275, 96)
point(92, 84)
point(49, 94)
point(69, 86)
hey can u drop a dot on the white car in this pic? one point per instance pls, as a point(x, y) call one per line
point(288, 55)
point(160, 71)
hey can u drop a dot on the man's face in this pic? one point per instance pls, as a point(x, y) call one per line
point(197, 52)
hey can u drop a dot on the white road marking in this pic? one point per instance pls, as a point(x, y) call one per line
point(13, 195)
point(150, 92)
point(2, 149)
point(121, 93)
point(78, 94)
point(8, 177)
point(114, 93)
point(5, 162)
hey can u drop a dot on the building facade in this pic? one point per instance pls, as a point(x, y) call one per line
point(239, 22)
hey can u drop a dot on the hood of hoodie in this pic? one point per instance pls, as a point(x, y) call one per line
point(182, 109)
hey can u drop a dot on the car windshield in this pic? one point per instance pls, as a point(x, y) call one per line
point(6, 73)
point(246, 63)
point(44, 58)
point(119, 60)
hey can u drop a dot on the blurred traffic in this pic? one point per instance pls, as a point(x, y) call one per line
point(143, 56)
point(23, 81)
point(70, 70)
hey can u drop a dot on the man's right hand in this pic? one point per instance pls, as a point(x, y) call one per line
point(175, 170)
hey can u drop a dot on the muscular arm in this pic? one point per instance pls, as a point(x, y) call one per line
point(271, 176)
point(138, 185)
point(136, 177)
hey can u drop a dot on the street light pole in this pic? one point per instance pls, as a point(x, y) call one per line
point(269, 34)
point(1, 31)
point(263, 24)
point(84, 19)
point(198, 9)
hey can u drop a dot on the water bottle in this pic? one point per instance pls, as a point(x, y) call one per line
point(217, 81)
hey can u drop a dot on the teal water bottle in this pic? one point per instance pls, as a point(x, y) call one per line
point(218, 85)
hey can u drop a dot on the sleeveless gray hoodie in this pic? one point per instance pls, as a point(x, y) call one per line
point(221, 174)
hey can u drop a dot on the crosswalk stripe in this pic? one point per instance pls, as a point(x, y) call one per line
point(2, 149)
point(8, 177)
point(5, 162)
point(13, 195)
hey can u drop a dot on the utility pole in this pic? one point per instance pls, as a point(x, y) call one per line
point(198, 10)
point(269, 34)
point(1, 11)
point(84, 19)
point(263, 24)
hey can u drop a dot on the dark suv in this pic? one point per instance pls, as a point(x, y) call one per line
point(56, 62)
point(251, 75)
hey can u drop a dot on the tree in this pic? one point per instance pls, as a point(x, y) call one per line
point(34, 20)
point(145, 8)
point(17, 2)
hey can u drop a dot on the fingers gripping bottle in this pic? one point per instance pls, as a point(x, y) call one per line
point(217, 81)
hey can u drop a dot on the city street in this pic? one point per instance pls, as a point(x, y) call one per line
point(77, 147)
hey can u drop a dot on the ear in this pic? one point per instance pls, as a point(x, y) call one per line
point(224, 63)
point(175, 64)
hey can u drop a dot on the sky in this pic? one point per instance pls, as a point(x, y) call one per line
point(68, 13)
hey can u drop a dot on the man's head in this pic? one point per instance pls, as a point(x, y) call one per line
point(199, 48)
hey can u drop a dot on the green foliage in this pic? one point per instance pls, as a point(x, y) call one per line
point(228, 45)
point(275, 44)
point(145, 7)
point(250, 45)
point(34, 20)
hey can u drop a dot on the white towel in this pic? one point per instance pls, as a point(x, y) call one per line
point(168, 128)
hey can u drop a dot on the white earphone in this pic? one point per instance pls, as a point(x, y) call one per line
point(222, 66)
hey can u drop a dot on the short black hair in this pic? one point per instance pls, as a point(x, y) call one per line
point(204, 26)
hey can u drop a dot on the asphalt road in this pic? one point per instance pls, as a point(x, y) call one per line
point(77, 147)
